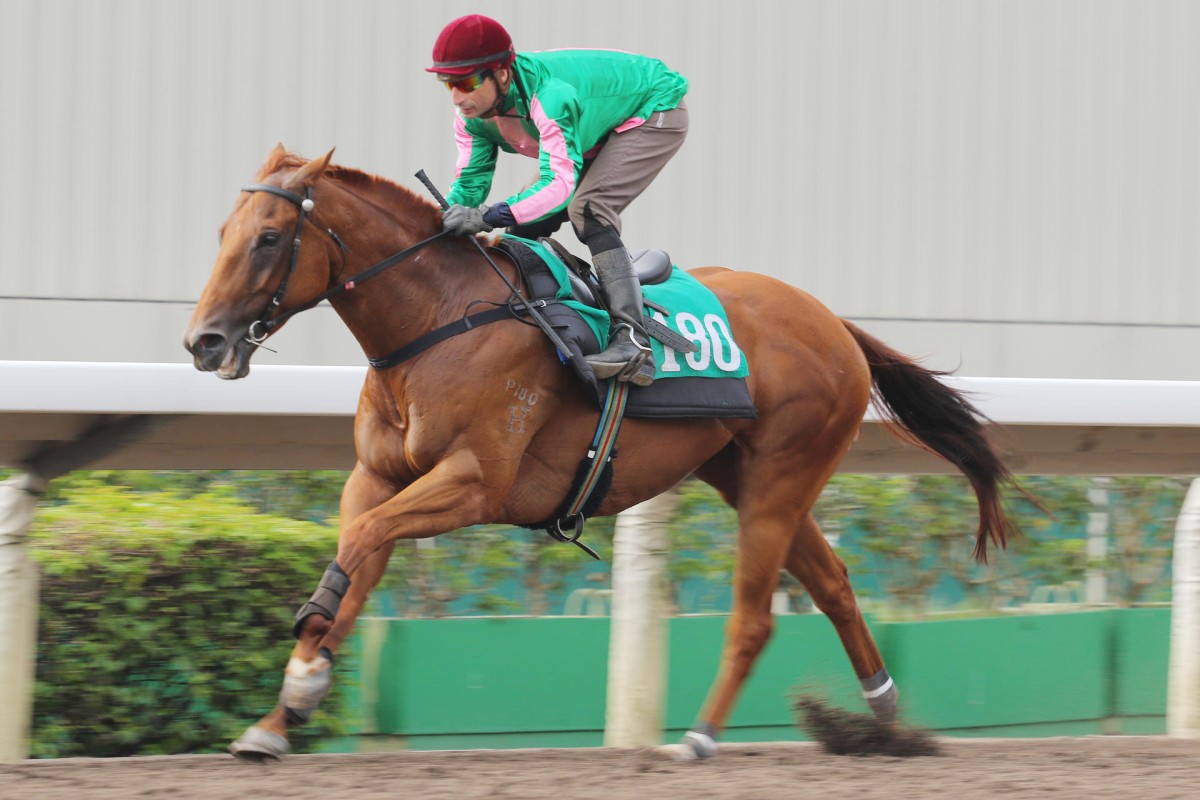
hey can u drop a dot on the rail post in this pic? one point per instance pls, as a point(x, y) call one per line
point(637, 656)
point(1183, 674)
point(18, 614)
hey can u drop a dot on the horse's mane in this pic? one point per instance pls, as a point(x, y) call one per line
point(391, 197)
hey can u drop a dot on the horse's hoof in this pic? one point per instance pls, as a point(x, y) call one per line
point(696, 746)
point(678, 752)
point(258, 745)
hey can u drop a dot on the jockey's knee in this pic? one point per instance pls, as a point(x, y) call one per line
point(598, 229)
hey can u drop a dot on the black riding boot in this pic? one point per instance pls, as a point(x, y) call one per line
point(628, 355)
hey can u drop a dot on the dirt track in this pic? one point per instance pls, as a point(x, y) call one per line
point(1147, 768)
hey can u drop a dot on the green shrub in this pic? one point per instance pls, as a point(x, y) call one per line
point(165, 621)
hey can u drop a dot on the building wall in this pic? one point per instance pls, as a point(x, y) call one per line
point(1005, 187)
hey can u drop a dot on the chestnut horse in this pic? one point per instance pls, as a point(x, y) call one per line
point(436, 451)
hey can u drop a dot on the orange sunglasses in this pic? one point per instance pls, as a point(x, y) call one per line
point(467, 83)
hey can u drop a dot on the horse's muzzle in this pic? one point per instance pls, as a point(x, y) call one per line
point(207, 348)
point(212, 351)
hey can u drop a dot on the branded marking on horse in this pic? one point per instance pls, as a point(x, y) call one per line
point(519, 411)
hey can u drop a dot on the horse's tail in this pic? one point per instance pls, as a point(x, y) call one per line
point(919, 408)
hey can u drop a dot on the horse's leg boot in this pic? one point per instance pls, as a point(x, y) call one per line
point(881, 694)
point(628, 355)
point(326, 599)
point(305, 684)
point(698, 744)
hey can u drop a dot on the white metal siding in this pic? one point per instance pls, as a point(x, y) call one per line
point(1013, 185)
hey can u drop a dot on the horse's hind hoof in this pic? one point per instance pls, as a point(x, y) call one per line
point(258, 746)
point(697, 745)
point(677, 752)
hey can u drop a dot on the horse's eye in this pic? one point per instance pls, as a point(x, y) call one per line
point(268, 239)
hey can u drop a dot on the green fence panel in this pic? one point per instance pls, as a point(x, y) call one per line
point(472, 676)
point(521, 682)
point(804, 655)
point(1143, 637)
point(985, 673)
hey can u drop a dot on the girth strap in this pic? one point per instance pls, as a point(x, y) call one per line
point(591, 469)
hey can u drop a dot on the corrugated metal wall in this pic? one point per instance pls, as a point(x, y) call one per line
point(1013, 186)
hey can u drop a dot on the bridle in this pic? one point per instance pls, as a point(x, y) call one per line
point(265, 325)
point(261, 329)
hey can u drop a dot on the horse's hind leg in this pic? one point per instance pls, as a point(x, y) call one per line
point(773, 536)
point(770, 510)
point(309, 672)
point(818, 567)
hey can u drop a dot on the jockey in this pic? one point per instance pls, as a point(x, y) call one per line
point(601, 123)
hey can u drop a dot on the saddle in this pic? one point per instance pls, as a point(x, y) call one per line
point(651, 266)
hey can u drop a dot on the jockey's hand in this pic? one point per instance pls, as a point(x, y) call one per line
point(464, 220)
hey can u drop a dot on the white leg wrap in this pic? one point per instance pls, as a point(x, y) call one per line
point(881, 694)
point(873, 693)
point(703, 745)
point(305, 684)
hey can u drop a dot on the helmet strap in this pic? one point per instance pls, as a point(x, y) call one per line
point(516, 79)
point(501, 94)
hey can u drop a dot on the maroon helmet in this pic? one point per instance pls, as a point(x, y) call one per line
point(470, 44)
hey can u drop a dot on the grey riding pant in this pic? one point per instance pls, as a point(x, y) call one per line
point(625, 166)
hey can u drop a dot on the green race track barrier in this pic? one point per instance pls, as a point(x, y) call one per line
point(540, 682)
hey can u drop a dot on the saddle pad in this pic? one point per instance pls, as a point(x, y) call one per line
point(694, 312)
point(707, 383)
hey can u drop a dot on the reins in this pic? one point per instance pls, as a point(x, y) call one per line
point(534, 314)
point(261, 329)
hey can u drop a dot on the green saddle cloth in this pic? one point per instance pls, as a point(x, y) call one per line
point(694, 312)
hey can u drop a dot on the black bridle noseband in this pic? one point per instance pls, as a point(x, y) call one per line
point(265, 325)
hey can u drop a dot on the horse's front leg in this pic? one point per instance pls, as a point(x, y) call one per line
point(372, 519)
point(308, 675)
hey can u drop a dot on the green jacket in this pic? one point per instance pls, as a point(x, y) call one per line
point(560, 107)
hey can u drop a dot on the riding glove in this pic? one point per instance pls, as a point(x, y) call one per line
point(464, 220)
point(498, 215)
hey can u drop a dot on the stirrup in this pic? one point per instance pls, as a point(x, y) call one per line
point(612, 342)
point(639, 370)
point(632, 368)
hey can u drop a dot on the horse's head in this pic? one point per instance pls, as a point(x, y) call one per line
point(261, 270)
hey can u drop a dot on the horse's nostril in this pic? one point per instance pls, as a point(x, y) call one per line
point(206, 346)
point(210, 342)
point(209, 349)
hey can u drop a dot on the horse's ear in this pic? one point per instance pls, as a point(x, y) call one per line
point(274, 158)
point(308, 174)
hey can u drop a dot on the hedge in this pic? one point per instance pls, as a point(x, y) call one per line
point(165, 621)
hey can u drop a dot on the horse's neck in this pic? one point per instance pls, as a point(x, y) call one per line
point(410, 298)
